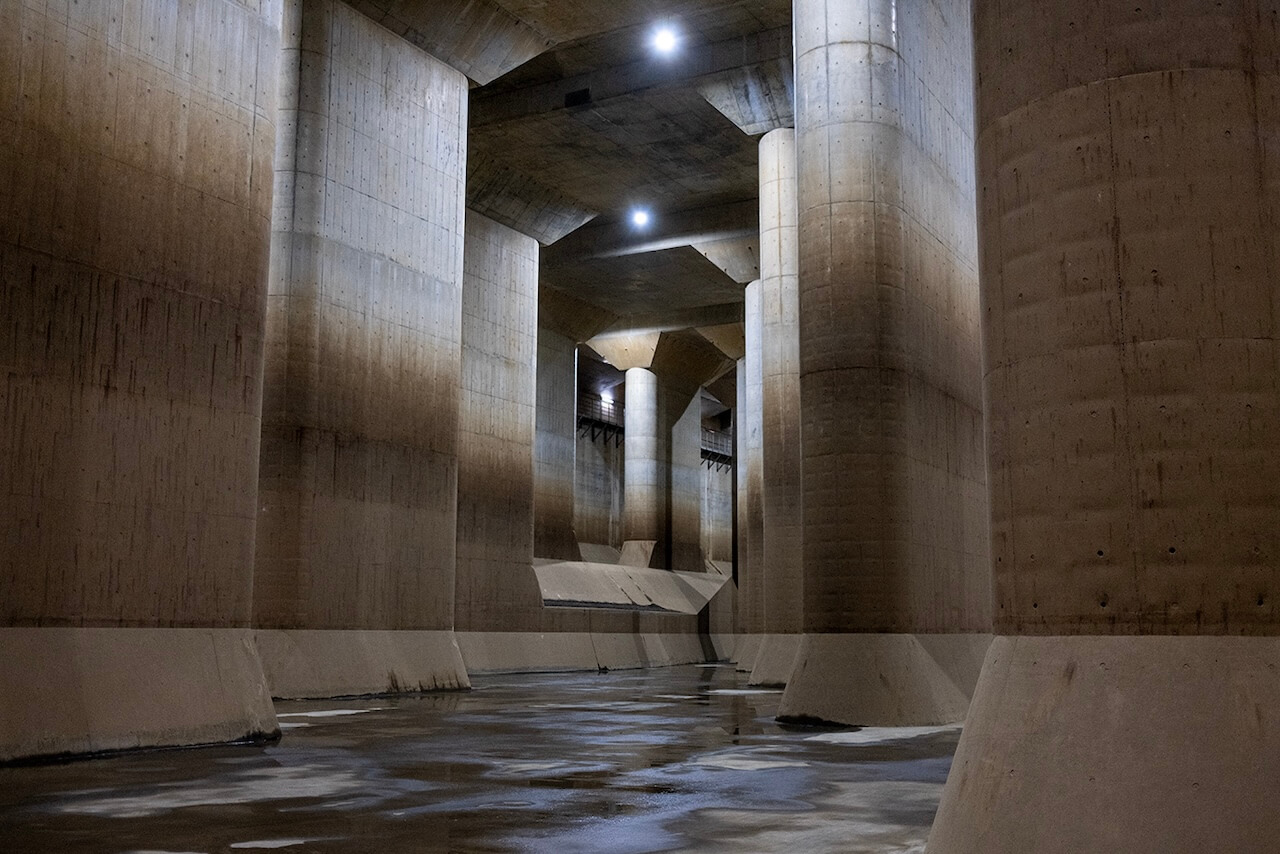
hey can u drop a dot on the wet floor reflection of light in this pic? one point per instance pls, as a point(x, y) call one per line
point(675, 759)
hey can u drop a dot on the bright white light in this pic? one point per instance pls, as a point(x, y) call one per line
point(665, 41)
point(606, 396)
point(639, 217)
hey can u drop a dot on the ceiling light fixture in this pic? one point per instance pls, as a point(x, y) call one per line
point(665, 40)
point(640, 218)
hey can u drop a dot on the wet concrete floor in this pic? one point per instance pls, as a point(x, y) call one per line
point(671, 759)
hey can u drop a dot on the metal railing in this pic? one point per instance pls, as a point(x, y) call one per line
point(595, 408)
point(717, 447)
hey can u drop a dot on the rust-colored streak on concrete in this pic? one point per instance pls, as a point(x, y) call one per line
point(134, 232)
point(1129, 208)
point(894, 488)
point(359, 457)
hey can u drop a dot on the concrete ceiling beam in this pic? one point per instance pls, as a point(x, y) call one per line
point(477, 37)
point(699, 227)
point(583, 90)
point(518, 201)
point(672, 321)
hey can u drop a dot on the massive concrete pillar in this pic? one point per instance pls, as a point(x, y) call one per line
point(780, 405)
point(555, 456)
point(1129, 208)
point(750, 461)
point(895, 552)
point(355, 565)
point(646, 471)
point(135, 156)
point(496, 428)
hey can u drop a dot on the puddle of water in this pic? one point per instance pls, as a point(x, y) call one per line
point(881, 734)
point(330, 713)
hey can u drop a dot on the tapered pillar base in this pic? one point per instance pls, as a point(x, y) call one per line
point(304, 663)
point(746, 651)
point(883, 679)
point(73, 691)
point(1134, 744)
point(775, 660)
point(549, 652)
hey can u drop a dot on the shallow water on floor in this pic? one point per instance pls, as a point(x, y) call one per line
point(671, 759)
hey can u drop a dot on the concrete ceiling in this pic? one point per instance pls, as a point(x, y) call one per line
point(569, 141)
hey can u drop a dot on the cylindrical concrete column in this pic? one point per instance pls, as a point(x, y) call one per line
point(645, 469)
point(1129, 207)
point(751, 478)
point(780, 385)
point(893, 481)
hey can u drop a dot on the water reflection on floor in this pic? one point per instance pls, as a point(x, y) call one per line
point(674, 759)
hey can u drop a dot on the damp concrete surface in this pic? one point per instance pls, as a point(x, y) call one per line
point(672, 759)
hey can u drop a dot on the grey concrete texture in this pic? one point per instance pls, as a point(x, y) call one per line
point(68, 691)
point(783, 496)
point(496, 429)
point(308, 663)
point(1146, 745)
point(882, 679)
point(599, 479)
point(1129, 221)
point(625, 587)
point(555, 446)
point(758, 98)
point(662, 481)
point(631, 645)
point(895, 531)
point(749, 435)
point(774, 660)
point(477, 37)
point(360, 417)
point(134, 241)
point(717, 511)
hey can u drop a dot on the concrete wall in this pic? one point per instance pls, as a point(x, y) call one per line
point(496, 426)
point(684, 519)
point(717, 511)
point(597, 500)
point(135, 145)
point(554, 456)
point(359, 459)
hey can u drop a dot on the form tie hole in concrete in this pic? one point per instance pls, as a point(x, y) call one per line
point(1102, 603)
point(1099, 552)
point(1173, 550)
point(1261, 600)
point(1035, 604)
